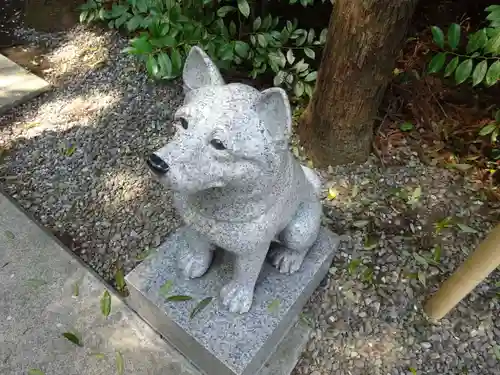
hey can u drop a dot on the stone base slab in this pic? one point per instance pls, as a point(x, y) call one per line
point(216, 341)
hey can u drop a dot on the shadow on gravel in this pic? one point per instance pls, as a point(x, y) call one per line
point(74, 158)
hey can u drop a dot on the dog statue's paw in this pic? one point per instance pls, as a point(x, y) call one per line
point(286, 260)
point(237, 297)
point(195, 264)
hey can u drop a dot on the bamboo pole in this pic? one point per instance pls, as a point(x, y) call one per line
point(475, 269)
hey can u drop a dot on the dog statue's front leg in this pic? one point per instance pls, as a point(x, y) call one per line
point(237, 295)
point(195, 255)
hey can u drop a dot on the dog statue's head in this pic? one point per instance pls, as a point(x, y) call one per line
point(228, 135)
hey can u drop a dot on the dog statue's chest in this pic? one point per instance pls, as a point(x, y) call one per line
point(239, 235)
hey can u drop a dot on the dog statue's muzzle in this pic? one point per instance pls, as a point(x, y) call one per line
point(157, 164)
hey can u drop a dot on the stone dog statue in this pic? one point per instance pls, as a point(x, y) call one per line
point(236, 184)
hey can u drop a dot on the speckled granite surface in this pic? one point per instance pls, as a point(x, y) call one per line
point(215, 340)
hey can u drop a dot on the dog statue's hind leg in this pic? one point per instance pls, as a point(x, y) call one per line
point(297, 238)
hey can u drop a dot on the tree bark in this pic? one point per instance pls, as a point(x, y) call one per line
point(364, 37)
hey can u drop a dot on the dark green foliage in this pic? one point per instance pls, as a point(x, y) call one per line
point(231, 34)
point(481, 61)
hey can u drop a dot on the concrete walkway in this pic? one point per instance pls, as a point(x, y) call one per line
point(17, 85)
point(37, 305)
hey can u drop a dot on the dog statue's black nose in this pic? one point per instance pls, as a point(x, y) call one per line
point(157, 164)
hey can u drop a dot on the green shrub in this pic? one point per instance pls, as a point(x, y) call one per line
point(229, 31)
point(481, 61)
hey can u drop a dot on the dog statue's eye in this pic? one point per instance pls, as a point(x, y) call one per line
point(183, 122)
point(217, 144)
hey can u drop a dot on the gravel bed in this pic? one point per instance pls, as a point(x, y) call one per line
point(74, 157)
point(368, 315)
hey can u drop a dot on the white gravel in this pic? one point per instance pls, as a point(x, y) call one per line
point(75, 159)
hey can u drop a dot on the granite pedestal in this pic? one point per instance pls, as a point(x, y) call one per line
point(216, 341)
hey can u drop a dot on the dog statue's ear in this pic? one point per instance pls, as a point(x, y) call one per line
point(200, 71)
point(274, 111)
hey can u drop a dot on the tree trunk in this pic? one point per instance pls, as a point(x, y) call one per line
point(364, 37)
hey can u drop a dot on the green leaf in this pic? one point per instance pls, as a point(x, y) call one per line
point(142, 6)
point(244, 8)
point(179, 298)
point(279, 78)
point(262, 40)
point(99, 355)
point(165, 41)
point(479, 73)
point(134, 23)
point(437, 253)
point(257, 23)
point(226, 52)
point(83, 16)
point(120, 366)
point(274, 306)
point(311, 77)
point(488, 129)
point(322, 36)
point(493, 45)
point(165, 65)
point(494, 135)
point(466, 229)
point(450, 68)
point(142, 45)
point(463, 71)
point(299, 89)
point(9, 235)
point(438, 36)
point(200, 306)
point(413, 371)
point(70, 150)
point(120, 280)
point(497, 116)
point(76, 289)
point(241, 49)
point(121, 20)
point(166, 288)
point(477, 41)
point(35, 371)
point(266, 22)
point(74, 338)
point(353, 266)
point(437, 62)
point(406, 126)
point(301, 66)
point(492, 8)
point(176, 59)
point(118, 10)
point(493, 74)
point(152, 66)
point(223, 11)
point(422, 278)
point(309, 89)
point(106, 303)
point(309, 53)
point(302, 38)
point(454, 36)
point(494, 15)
